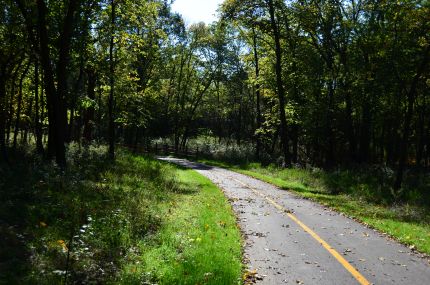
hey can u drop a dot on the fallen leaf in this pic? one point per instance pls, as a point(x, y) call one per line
point(63, 245)
point(249, 275)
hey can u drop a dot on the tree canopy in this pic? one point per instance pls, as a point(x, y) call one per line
point(322, 83)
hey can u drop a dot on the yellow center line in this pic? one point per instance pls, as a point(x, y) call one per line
point(351, 269)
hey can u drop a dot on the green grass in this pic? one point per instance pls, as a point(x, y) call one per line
point(198, 244)
point(356, 194)
point(134, 221)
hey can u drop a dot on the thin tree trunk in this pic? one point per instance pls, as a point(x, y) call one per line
point(89, 112)
point(404, 142)
point(239, 121)
point(136, 138)
point(37, 125)
point(26, 129)
point(100, 110)
point(3, 115)
point(330, 143)
point(44, 108)
point(177, 104)
point(257, 93)
point(350, 127)
point(112, 84)
point(365, 132)
point(366, 121)
point(421, 138)
point(10, 111)
point(72, 133)
point(295, 142)
point(19, 107)
point(11, 98)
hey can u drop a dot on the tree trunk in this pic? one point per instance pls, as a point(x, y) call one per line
point(330, 159)
point(239, 120)
point(178, 91)
point(62, 74)
point(73, 133)
point(257, 93)
point(51, 93)
point(112, 85)
point(55, 89)
point(404, 142)
point(3, 115)
point(19, 107)
point(295, 142)
point(99, 110)
point(136, 138)
point(37, 125)
point(89, 112)
point(365, 132)
point(9, 119)
point(279, 84)
point(350, 127)
point(44, 108)
point(10, 112)
point(26, 125)
point(421, 137)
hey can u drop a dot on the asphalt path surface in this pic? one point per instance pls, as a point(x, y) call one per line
point(291, 240)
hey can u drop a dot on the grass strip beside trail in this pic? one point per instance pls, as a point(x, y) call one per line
point(199, 242)
point(408, 224)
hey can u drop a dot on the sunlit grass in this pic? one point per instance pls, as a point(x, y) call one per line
point(199, 242)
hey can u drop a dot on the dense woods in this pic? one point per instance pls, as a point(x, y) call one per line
point(321, 83)
point(327, 99)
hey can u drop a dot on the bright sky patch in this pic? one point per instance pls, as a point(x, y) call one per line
point(195, 11)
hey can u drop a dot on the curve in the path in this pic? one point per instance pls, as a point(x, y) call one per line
point(290, 240)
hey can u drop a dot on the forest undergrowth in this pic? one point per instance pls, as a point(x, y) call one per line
point(126, 222)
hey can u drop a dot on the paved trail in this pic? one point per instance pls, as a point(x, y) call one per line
point(291, 240)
